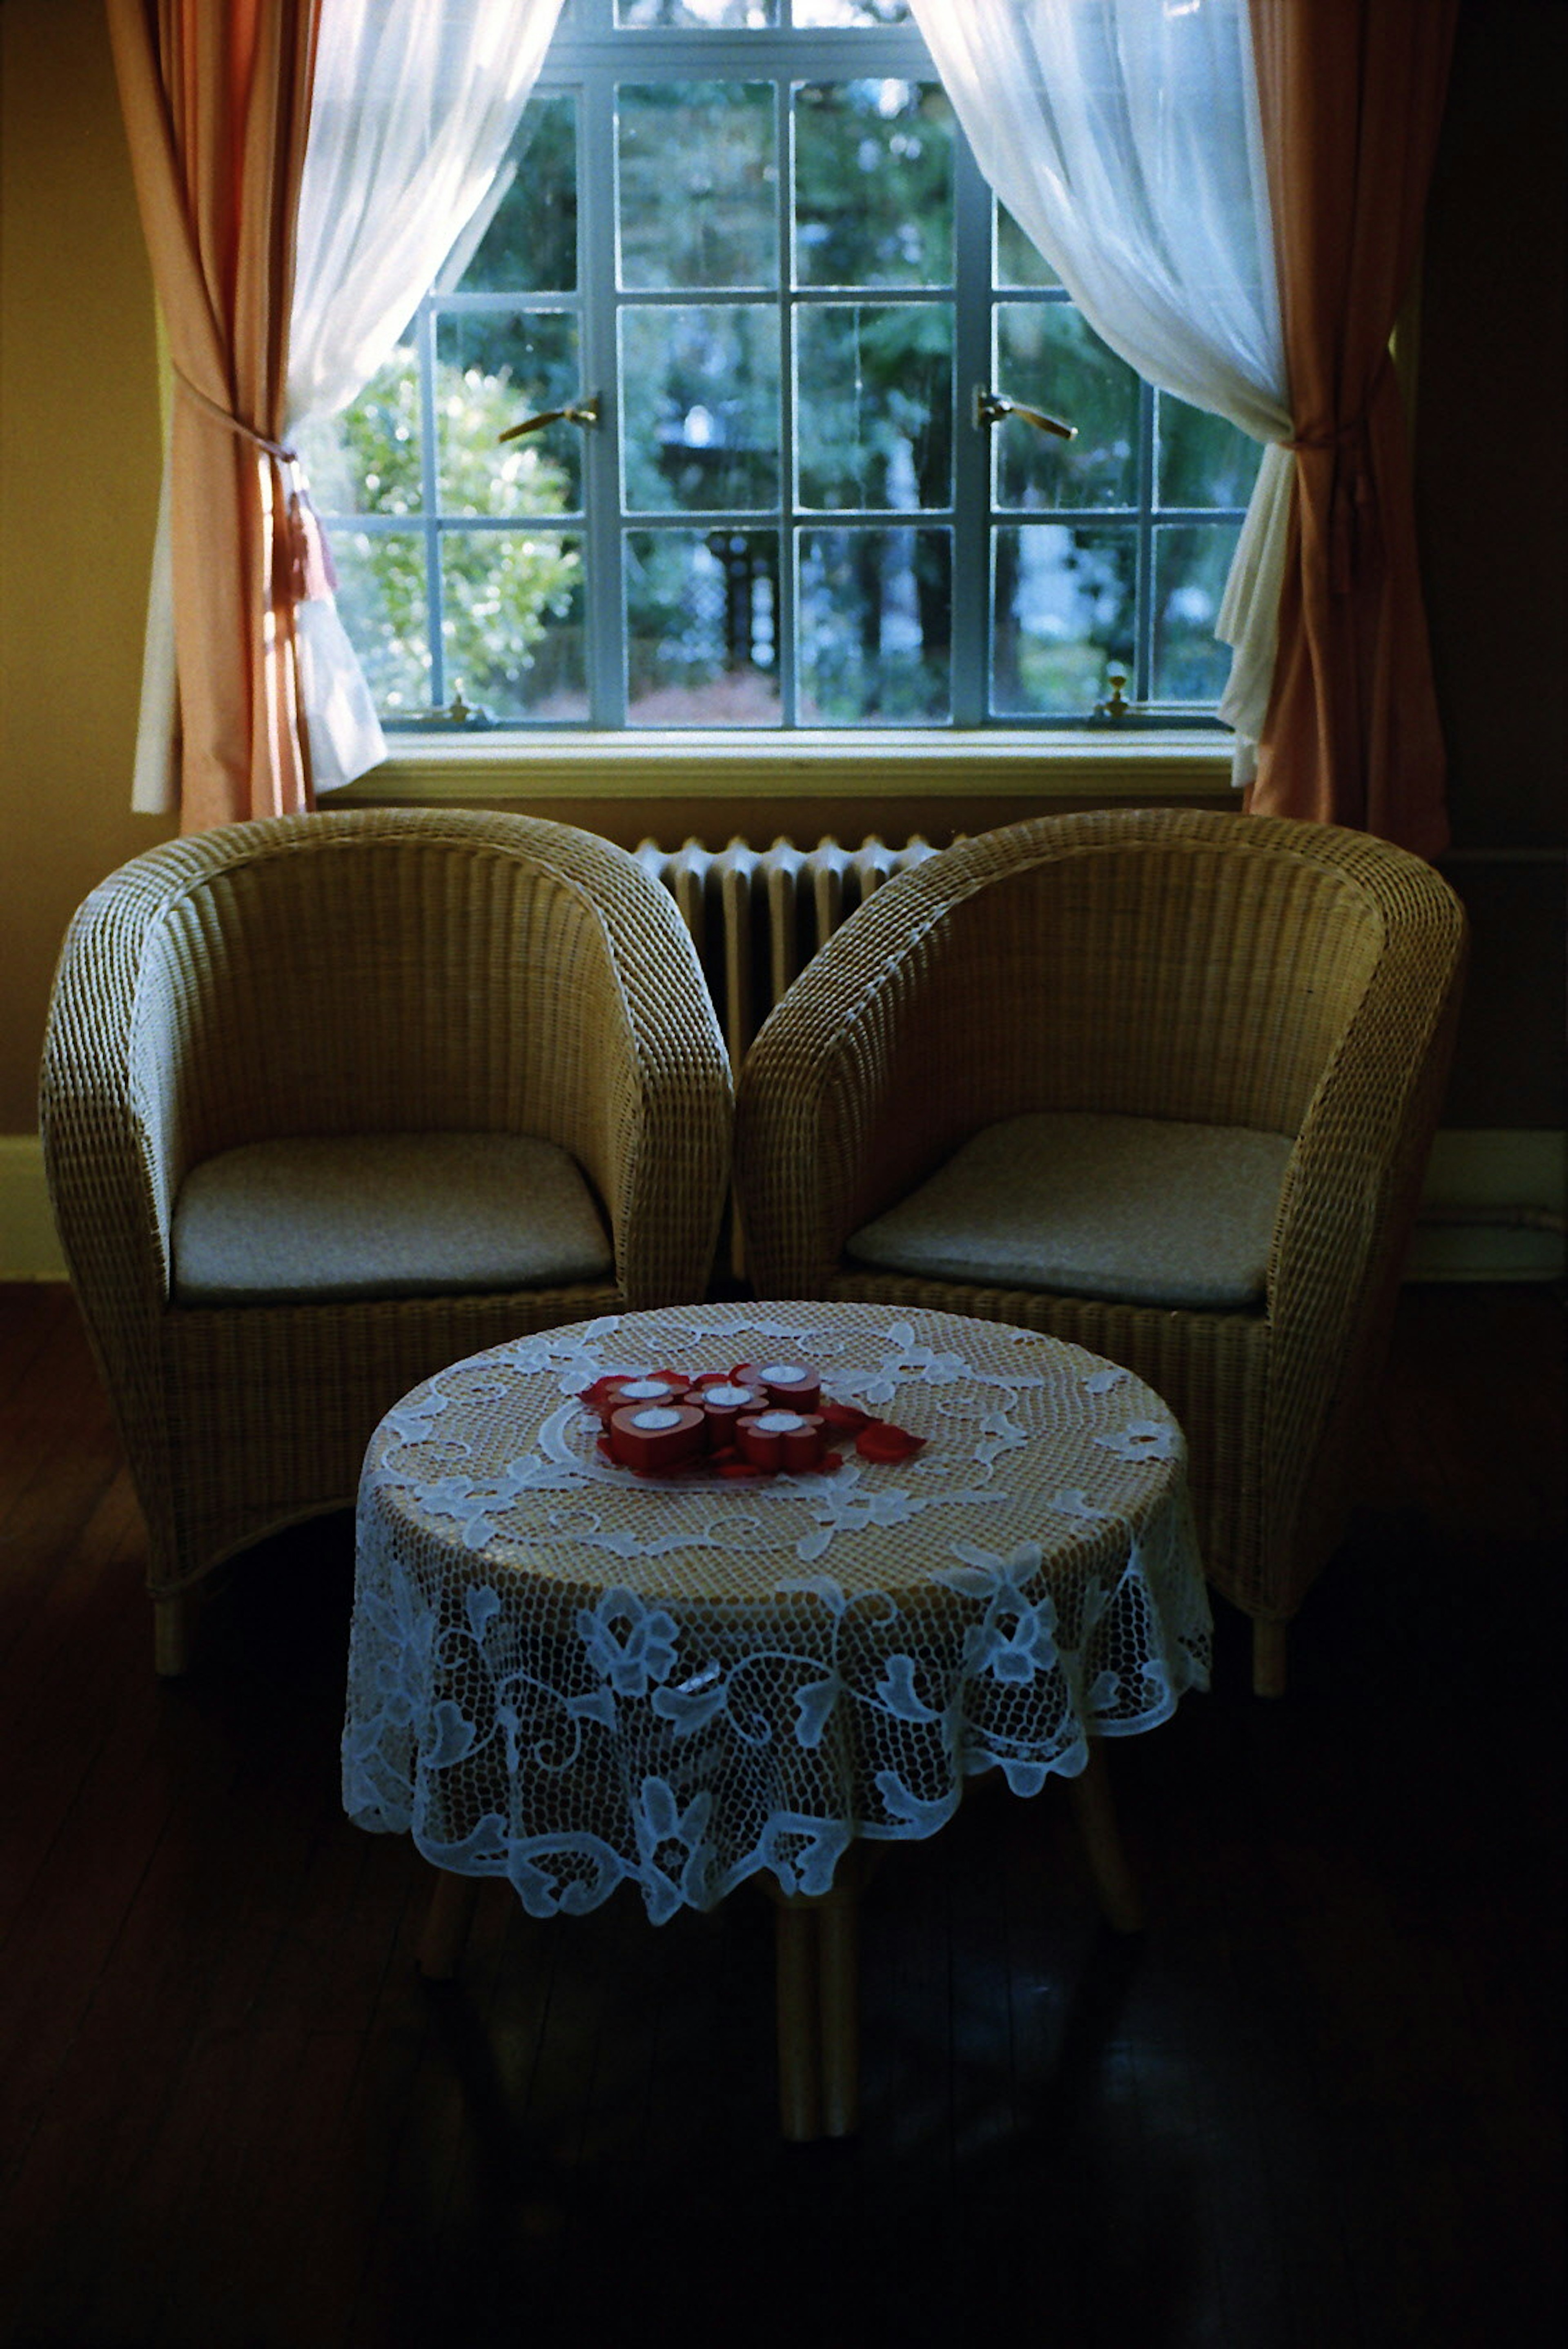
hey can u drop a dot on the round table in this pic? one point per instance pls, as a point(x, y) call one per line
point(572, 1676)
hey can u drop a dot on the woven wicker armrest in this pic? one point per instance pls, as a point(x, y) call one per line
point(840, 1107)
point(655, 1099)
point(1351, 1193)
point(108, 1112)
point(114, 1149)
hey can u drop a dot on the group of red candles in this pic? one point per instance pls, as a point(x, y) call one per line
point(749, 1420)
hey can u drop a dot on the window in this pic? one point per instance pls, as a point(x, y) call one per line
point(741, 255)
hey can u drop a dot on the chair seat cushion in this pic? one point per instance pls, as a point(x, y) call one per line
point(1139, 1211)
point(316, 1219)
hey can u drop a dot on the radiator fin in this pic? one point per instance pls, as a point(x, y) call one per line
point(757, 916)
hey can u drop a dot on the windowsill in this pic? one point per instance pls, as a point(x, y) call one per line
point(880, 764)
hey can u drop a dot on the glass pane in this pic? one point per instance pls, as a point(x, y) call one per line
point(699, 408)
point(1190, 566)
point(512, 622)
point(873, 183)
point(875, 628)
point(1062, 614)
point(1202, 461)
point(525, 240)
point(1048, 356)
point(367, 459)
point(702, 628)
point(745, 15)
point(382, 602)
point(699, 184)
point(493, 369)
point(1018, 262)
point(873, 404)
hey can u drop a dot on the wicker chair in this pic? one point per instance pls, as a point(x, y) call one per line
point(1221, 980)
point(350, 990)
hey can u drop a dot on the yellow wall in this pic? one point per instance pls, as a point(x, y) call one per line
point(79, 496)
point(78, 482)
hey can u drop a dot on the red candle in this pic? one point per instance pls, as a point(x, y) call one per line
point(722, 1401)
point(607, 1394)
point(805, 1446)
point(793, 1385)
point(654, 1435)
point(780, 1439)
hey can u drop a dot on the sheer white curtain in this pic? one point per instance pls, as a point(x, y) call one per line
point(1125, 140)
point(414, 106)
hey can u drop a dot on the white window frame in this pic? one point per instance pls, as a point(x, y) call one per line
point(1184, 758)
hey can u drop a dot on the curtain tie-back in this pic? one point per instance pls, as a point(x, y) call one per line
point(1352, 426)
point(314, 574)
point(1338, 438)
point(1350, 534)
point(1349, 492)
point(234, 423)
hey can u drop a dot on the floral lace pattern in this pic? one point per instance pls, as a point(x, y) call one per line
point(572, 1678)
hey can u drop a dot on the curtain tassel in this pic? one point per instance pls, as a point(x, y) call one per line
point(313, 575)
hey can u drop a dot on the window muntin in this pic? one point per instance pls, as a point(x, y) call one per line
point(758, 236)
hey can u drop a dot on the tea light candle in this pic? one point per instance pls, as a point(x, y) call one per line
point(721, 1402)
point(656, 1435)
point(608, 1393)
point(798, 1384)
point(780, 1439)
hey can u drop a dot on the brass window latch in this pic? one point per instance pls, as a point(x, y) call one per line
point(584, 412)
point(1116, 708)
point(994, 407)
point(458, 713)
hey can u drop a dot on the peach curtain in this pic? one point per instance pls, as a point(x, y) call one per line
point(1351, 95)
point(216, 100)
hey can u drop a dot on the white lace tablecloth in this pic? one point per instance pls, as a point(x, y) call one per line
point(568, 1676)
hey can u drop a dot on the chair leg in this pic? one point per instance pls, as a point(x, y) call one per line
point(1268, 1657)
point(446, 1925)
point(1114, 1882)
point(172, 1635)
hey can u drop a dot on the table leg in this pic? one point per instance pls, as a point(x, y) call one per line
point(446, 1925)
point(838, 1986)
point(1268, 1657)
point(800, 2069)
point(1113, 1881)
point(171, 1634)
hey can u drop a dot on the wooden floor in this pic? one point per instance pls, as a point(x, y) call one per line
point(1315, 2105)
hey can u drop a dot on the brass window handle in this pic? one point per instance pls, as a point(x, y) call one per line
point(588, 412)
point(993, 407)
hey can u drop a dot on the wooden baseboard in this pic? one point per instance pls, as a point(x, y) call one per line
point(1485, 1214)
point(1491, 1207)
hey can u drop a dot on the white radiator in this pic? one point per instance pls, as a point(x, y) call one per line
point(758, 915)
